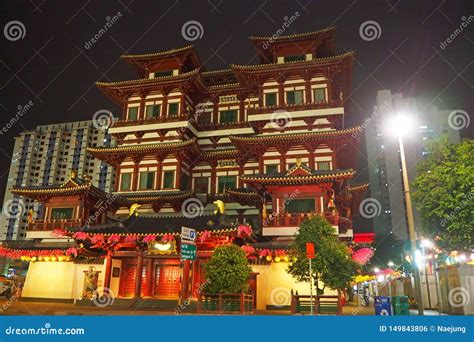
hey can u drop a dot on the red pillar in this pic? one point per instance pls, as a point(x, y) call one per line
point(108, 271)
point(138, 274)
point(185, 280)
point(149, 277)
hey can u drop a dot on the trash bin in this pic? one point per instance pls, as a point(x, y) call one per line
point(401, 306)
point(382, 306)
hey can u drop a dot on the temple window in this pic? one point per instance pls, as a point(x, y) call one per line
point(301, 205)
point(294, 97)
point(125, 181)
point(201, 185)
point(271, 169)
point(173, 109)
point(147, 180)
point(132, 113)
point(270, 99)
point(226, 182)
point(163, 73)
point(325, 165)
point(153, 111)
point(227, 116)
point(295, 58)
point(168, 180)
point(319, 95)
point(62, 213)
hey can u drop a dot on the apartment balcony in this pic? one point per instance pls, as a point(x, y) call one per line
point(50, 225)
point(148, 121)
point(296, 107)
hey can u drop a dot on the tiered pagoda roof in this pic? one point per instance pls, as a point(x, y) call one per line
point(160, 225)
point(72, 186)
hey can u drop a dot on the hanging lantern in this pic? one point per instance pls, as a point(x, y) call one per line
point(269, 258)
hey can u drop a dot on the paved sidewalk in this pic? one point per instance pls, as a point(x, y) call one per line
point(49, 308)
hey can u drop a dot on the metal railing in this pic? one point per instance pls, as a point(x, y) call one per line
point(322, 304)
point(225, 303)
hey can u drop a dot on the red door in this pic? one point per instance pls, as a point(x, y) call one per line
point(167, 280)
point(127, 280)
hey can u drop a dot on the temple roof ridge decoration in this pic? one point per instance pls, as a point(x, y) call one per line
point(161, 53)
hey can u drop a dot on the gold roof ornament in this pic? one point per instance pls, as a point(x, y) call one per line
point(73, 173)
point(134, 209)
point(298, 162)
point(220, 207)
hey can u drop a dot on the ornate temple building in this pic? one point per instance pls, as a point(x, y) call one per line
point(265, 144)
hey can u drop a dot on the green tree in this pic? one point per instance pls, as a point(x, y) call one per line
point(228, 271)
point(333, 267)
point(444, 195)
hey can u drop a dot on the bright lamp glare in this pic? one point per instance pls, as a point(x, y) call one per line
point(427, 243)
point(390, 264)
point(419, 258)
point(401, 124)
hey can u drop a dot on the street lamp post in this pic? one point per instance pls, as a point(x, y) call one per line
point(411, 224)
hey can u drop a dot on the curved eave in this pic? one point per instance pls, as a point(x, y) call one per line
point(360, 188)
point(165, 80)
point(296, 36)
point(290, 180)
point(318, 62)
point(167, 53)
point(141, 149)
point(160, 198)
point(301, 137)
point(220, 154)
point(35, 193)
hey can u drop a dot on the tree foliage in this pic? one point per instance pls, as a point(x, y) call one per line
point(228, 271)
point(332, 267)
point(444, 193)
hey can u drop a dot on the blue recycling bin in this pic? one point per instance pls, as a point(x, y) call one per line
point(382, 305)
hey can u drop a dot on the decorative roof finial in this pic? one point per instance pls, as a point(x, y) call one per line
point(298, 161)
point(73, 173)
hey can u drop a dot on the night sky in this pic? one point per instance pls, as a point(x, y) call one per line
point(51, 66)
